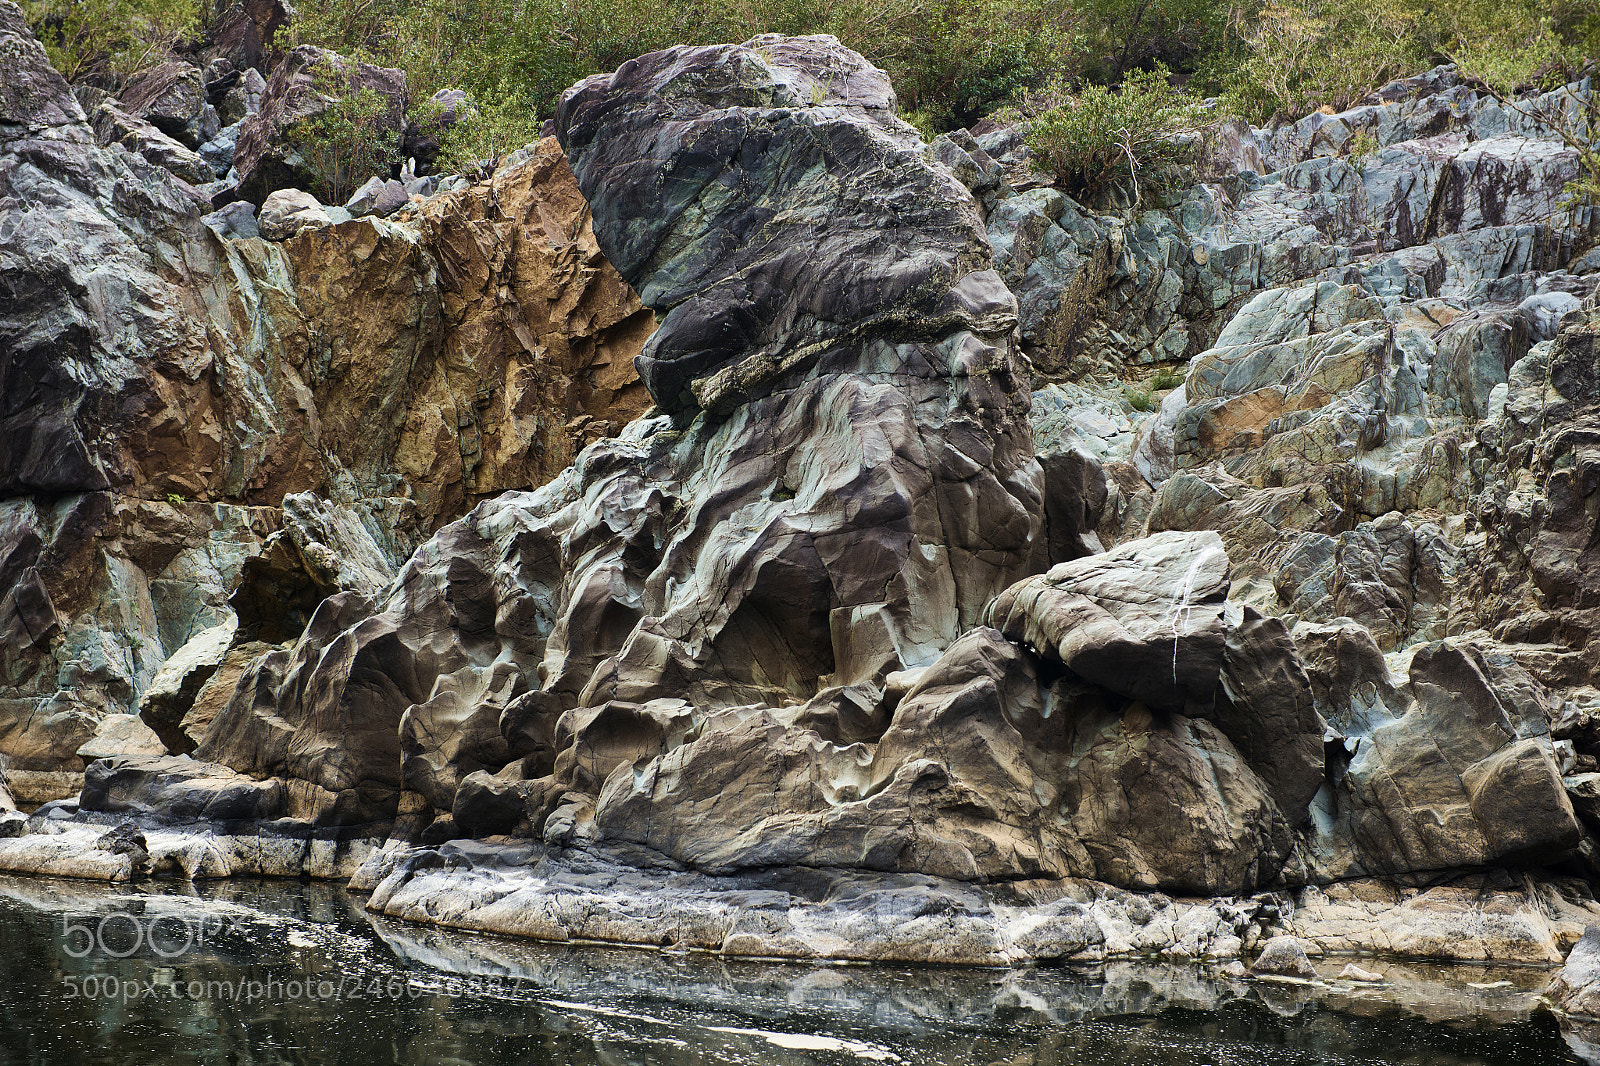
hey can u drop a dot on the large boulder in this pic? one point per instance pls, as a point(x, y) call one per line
point(171, 97)
point(289, 213)
point(766, 305)
point(112, 125)
point(1143, 619)
point(984, 773)
point(1461, 778)
point(305, 83)
point(178, 788)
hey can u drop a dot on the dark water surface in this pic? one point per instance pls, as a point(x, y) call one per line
point(282, 972)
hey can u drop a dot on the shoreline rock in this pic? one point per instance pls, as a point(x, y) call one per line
point(826, 656)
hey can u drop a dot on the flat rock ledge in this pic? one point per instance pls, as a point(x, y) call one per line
point(74, 849)
point(525, 890)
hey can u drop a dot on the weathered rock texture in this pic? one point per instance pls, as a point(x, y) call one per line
point(854, 615)
point(847, 519)
point(164, 388)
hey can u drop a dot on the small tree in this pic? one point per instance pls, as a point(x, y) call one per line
point(117, 37)
point(483, 135)
point(345, 143)
point(1103, 133)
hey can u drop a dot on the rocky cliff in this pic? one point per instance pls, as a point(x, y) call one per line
point(905, 624)
point(165, 388)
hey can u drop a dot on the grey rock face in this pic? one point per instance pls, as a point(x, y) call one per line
point(90, 406)
point(1576, 988)
point(171, 98)
point(236, 221)
point(112, 125)
point(163, 394)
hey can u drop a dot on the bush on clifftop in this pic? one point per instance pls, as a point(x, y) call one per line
point(952, 61)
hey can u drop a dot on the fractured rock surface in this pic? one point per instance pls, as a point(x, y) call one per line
point(166, 388)
point(824, 634)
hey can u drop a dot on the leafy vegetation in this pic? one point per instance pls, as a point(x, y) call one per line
point(110, 38)
point(344, 144)
point(1303, 54)
point(1112, 84)
point(482, 134)
point(1100, 134)
point(1168, 377)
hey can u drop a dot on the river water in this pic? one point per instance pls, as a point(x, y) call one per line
point(283, 972)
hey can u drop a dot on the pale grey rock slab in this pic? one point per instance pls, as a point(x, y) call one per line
point(290, 212)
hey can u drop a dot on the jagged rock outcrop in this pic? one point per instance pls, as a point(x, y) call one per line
point(475, 346)
point(165, 388)
point(853, 598)
point(112, 125)
point(846, 520)
point(1345, 319)
point(171, 97)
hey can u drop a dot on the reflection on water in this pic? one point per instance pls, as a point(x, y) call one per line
point(280, 972)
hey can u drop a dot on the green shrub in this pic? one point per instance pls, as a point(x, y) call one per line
point(1102, 134)
point(345, 143)
point(1168, 377)
point(1128, 35)
point(484, 135)
point(1139, 399)
point(1306, 54)
point(951, 60)
point(112, 37)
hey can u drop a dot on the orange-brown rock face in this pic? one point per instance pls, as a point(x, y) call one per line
point(474, 346)
point(164, 389)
